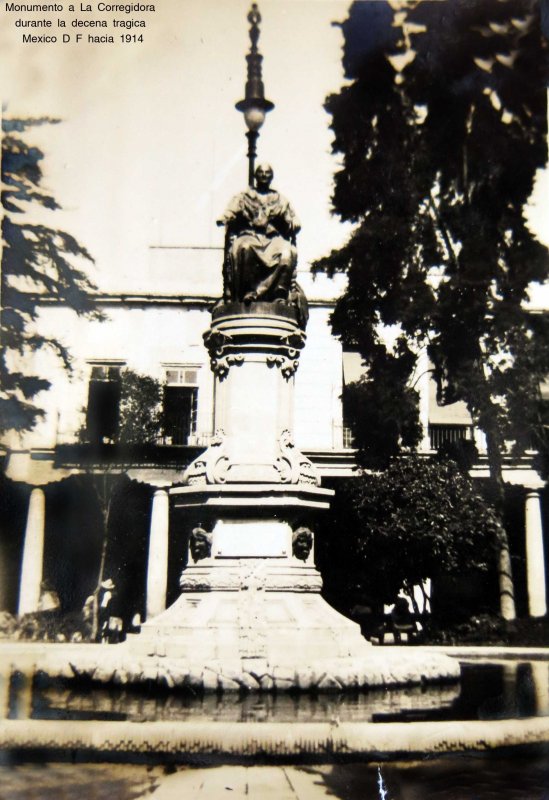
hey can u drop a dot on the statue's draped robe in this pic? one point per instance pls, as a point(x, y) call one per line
point(262, 256)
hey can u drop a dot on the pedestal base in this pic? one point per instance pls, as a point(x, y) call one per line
point(265, 609)
point(381, 668)
point(259, 625)
point(250, 616)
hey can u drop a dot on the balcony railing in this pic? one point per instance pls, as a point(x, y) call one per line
point(125, 455)
point(443, 434)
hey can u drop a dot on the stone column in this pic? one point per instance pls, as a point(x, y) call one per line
point(33, 552)
point(3, 580)
point(423, 386)
point(510, 684)
point(157, 571)
point(535, 561)
point(540, 680)
point(22, 695)
point(254, 353)
point(5, 676)
point(506, 586)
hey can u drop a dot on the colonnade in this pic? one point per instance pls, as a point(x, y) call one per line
point(157, 569)
point(33, 554)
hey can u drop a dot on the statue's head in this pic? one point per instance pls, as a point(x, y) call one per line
point(200, 544)
point(302, 542)
point(263, 176)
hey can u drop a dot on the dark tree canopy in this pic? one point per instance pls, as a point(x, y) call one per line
point(441, 132)
point(134, 408)
point(391, 530)
point(140, 408)
point(391, 422)
point(37, 261)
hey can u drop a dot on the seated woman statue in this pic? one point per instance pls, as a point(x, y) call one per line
point(261, 257)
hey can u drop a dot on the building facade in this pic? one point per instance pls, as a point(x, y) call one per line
point(52, 512)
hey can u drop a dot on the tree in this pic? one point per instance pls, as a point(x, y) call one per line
point(441, 132)
point(415, 520)
point(37, 261)
point(141, 418)
point(382, 408)
point(139, 423)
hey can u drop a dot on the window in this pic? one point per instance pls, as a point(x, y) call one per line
point(353, 370)
point(180, 404)
point(103, 410)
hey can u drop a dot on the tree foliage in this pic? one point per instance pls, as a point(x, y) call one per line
point(383, 412)
point(441, 132)
point(37, 261)
point(140, 408)
point(417, 519)
point(139, 423)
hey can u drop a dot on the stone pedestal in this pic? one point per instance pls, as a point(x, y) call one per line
point(251, 609)
point(251, 597)
point(250, 615)
point(254, 353)
point(248, 595)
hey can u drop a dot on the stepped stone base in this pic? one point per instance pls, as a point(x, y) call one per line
point(258, 640)
point(250, 616)
point(382, 668)
point(256, 624)
point(283, 628)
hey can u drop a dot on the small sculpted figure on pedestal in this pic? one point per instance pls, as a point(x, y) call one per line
point(200, 544)
point(302, 543)
point(260, 253)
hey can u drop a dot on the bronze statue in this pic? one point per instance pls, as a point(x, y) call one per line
point(260, 253)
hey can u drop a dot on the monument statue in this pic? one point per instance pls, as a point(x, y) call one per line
point(260, 252)
point(250, 616)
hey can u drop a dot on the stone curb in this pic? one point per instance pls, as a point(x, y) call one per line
point(495, 653)
point(241, 740)
point(20, 647)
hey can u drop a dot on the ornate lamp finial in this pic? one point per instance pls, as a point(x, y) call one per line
point(254, 106)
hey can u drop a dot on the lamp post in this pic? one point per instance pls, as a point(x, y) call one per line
point(254, 106)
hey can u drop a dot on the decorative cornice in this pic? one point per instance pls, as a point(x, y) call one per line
point(134, 299)
point(233, 334)
point(138, 299)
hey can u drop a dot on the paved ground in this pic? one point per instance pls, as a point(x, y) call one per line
point(453, 777)
point(449, 778)
point(77, 782)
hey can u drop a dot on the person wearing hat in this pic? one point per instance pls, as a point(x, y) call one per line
point(105, 600)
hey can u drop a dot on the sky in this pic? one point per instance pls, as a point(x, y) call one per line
point(150, 148)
